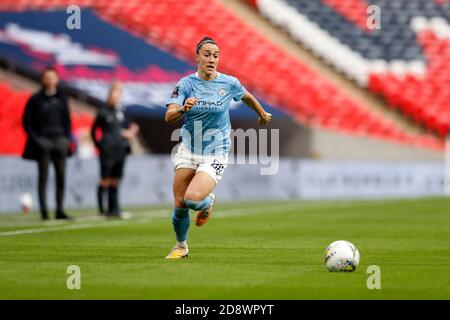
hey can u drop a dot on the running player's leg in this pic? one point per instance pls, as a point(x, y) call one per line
point(197, 195)
point(180, 217)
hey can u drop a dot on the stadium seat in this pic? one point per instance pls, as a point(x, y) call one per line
point(414, 42)
point(275, 75)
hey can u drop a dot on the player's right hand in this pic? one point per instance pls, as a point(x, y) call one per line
point(265, 118)
point(189, 103)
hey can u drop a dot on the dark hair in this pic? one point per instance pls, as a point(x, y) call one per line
point(48, 69)
point(204, 41)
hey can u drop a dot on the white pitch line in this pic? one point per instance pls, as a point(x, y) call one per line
point(77, 226)
point(51, 222)
point(158, 214)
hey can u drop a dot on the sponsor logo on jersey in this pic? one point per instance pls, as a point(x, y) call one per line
point(209, 103)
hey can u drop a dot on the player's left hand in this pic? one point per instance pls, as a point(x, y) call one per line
point(265, 118)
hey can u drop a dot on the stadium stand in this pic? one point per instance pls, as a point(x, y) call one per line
point(405, 61)
point(278, 77)
point(11, 109)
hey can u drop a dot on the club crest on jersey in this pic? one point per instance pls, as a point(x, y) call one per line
point(175, 92)
point(222, 92)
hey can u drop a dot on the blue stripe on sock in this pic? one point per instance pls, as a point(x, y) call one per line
point(180, 222)
point(198, 205)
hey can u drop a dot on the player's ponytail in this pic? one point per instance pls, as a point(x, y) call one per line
point(204, 41)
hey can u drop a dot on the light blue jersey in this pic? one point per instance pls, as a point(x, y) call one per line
point(206, 129)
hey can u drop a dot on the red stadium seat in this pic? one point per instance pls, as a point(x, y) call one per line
point(270, 72)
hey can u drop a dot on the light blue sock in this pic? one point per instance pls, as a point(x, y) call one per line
point(198, 205)
point(180, 221)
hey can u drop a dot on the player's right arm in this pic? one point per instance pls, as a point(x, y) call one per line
point(179, 102)
point(175, 112)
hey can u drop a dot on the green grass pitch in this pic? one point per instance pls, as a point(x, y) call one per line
point(270, 250)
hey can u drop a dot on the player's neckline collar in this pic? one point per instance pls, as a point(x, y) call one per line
point(218, 75)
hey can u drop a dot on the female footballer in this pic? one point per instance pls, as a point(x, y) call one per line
point(203, 100)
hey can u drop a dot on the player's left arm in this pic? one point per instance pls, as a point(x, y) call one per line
point(250, 100)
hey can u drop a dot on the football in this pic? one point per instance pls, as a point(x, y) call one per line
point(341, 255)
point(26, 202)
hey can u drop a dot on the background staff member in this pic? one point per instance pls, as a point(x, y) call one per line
point(114, 147)
point(46, 121)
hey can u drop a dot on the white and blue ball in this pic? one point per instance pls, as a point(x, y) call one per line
point(342, 256)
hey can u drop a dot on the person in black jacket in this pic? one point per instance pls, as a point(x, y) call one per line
point(113, 146)
point(46, 121)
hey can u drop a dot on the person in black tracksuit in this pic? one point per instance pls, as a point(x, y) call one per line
point(46, 121)
point(113, 147)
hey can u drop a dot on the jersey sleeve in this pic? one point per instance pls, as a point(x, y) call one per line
point(238, 90)
point(179, 94)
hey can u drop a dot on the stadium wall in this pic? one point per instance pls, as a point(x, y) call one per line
point(148, 181)
point(332, 145)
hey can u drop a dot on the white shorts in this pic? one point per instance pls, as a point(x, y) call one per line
point(212, 165)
